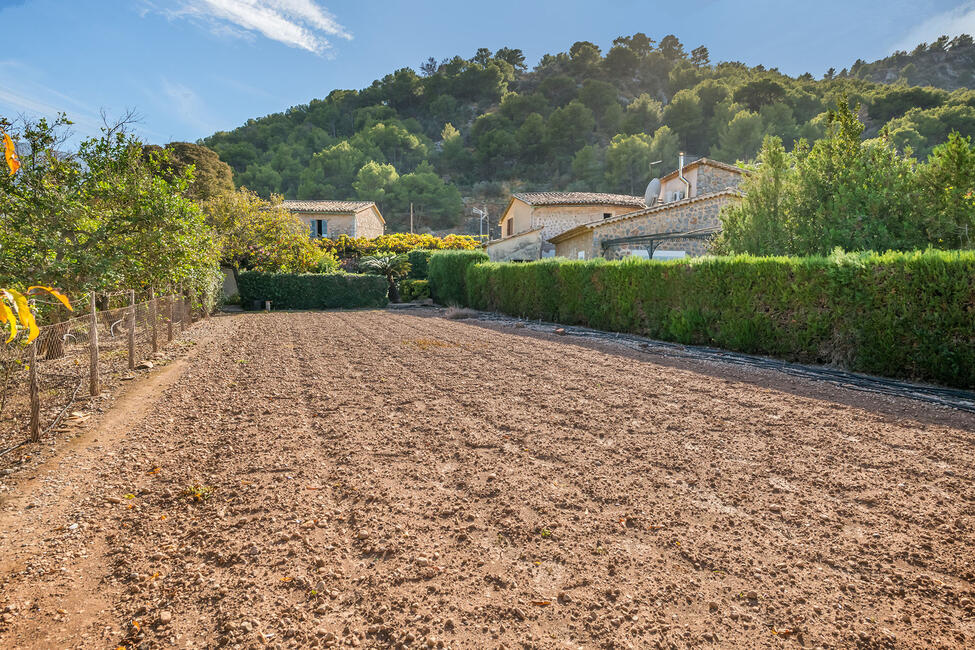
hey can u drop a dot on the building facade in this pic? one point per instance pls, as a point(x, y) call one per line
point(678, 224)
point(334, 218)
point(532, 218)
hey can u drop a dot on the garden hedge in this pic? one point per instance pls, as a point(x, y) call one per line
point(419, 263)
point(895, 314)
point(312, 290)
point(447, 273)
point(410, 290)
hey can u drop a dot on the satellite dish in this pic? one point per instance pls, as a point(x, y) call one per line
point(653, 191)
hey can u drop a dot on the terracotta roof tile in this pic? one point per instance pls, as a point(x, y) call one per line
point(578, 198)
point(327, 207)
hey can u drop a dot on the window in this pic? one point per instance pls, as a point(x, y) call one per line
point(319, 228)
point(607, 215)
point(581, 255)
point(509, 227)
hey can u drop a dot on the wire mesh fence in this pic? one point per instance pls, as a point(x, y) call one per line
point(110, 335)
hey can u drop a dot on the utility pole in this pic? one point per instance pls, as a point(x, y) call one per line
point(411, 218)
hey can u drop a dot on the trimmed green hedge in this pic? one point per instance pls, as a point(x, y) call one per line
point(419, 263)
point(312, 290)
point(411, 290)
point(447, 273)
point(895, 314)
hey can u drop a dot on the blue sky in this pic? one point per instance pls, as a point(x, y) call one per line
point(191, 67)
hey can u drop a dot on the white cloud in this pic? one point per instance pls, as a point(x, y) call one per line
point(21, 94)
point(960, 20)
point(187, 104)
point(297, 23)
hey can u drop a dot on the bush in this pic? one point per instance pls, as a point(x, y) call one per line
point(411, 290)
point(447, 275)
point(895, 314)
point(327, 263)
point(419, 263)
point(354, 247)
point(312, 291)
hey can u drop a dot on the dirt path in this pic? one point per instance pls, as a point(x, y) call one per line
point(380, 479)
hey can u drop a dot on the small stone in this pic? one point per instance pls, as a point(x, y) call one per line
point(165, 617)
point(114, 499)
point(560, 331)
point(363, 534)
point(145, 365)
point(713, 606)
point(751, 595)
point(246, 627)
point(73, 527)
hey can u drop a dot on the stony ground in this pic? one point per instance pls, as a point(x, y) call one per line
point(396, 480)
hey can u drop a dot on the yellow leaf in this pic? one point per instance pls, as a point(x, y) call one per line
point(7, 316)
point(54, 292)
point(10, 153)
point(26, 317)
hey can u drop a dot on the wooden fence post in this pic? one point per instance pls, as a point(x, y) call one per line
point(35, 396)
point(93, 386)
point(152, 319)
point(172, 309)
point(182, 309)
point(131, 329)
point(192, 302)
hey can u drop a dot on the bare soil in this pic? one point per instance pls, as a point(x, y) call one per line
point(391, 479)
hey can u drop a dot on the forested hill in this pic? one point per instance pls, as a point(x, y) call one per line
point(583, 119)
point(945, 63)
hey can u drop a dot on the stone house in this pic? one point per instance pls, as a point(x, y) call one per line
point(334, 218)
point(680, 223)
point(531, 219)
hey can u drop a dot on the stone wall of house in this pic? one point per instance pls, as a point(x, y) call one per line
point(338, 224)
point(695, 215)
point(556, 219)
point(579, 243)
point(714, 179)
point(367, 224)
point(523, 247)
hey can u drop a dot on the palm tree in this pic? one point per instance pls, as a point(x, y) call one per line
point(392, 267)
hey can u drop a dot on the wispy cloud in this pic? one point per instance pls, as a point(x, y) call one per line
point(21, 94)
point(960, 20)
point(187, 105)
point(302, 24)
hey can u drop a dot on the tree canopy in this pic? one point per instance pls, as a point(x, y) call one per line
point(557, 125)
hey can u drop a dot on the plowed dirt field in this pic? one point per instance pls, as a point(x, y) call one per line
point(395, 479)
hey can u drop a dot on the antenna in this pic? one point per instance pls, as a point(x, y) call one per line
point(653, 191)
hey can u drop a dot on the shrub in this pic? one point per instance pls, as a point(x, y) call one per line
point(447, 275)
point(353, 247)
point(327, 263)
point(311, 290)
point(419, 263)
point(411, 290)
point(894, 314)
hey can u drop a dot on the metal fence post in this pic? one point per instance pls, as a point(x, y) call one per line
point(35, 397)
point(94, 388)
point(152, 319)
point(131, 329)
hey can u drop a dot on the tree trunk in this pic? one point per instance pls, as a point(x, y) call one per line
point(393, 290)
